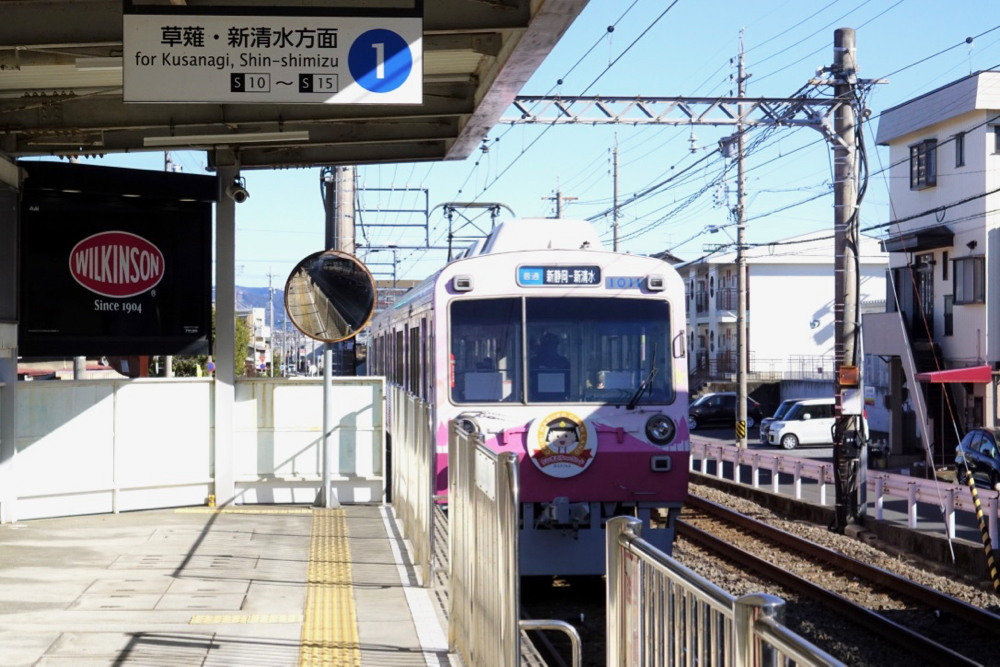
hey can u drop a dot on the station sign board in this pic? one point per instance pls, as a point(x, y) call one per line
point(286, 55)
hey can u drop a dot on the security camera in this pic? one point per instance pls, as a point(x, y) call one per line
point(237, 191)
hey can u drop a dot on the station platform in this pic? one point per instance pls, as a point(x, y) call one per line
point(246, 586)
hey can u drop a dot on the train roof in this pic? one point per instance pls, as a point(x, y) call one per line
point(540, 234)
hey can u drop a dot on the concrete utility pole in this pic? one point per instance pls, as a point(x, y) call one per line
point(270, 302)
point(614, 216)
point(559, 199)
point(344, 231)
point(168, 360)
point(741, 267)
point(845, 435)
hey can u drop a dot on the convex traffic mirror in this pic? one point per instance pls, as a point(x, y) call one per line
point(330, 296)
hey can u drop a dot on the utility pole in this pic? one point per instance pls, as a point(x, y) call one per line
point(344, 239)
point(559, 199)
point(846, 377)
point(741, 267)
point(270, 301)
point(168, 360)
point(614, 216)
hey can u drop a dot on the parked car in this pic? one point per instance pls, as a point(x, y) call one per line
point(720, 408)
point(766, 422)
point(808, 422)
point(979, 451)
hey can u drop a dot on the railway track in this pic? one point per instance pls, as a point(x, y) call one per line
point(935, 628)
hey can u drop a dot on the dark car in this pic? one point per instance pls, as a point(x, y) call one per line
point(765, 423)
point(720, 408)
point(979, 452)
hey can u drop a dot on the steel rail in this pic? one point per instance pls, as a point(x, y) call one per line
point(902, 636)
point(963, 610)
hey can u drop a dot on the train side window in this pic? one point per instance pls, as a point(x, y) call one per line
point(397, 355)
point(425, 369)
point(413, 381)
point(485, 348)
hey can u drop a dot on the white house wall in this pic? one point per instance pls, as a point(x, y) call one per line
point(786, 299)
point(975, 326)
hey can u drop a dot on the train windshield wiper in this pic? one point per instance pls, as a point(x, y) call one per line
point(648, 382)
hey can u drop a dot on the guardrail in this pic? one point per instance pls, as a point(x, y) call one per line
point(880, 485)
point(413, 475)
point(483, 527)
point(661, 613)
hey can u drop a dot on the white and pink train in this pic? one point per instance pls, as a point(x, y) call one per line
point(569, 355)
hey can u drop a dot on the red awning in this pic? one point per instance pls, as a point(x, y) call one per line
point(973, 374)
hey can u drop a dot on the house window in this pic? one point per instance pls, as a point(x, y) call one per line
point(944, 265)
point(996, 138)
point(970, 280)
point(960, 149)
point(948, 320)
point(923, 164)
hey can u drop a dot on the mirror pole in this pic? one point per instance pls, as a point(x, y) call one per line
point(330, 500)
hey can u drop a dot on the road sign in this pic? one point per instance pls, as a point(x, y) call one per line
point(178, 57)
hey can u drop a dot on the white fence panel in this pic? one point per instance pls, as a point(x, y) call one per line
point(90, 447)
point(163, 443)
point(65, 450)
point(279, 439)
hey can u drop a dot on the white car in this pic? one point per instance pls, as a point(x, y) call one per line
point(808, 422)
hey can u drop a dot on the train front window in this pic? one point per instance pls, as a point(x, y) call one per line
point(598, 350)
point(486, 351)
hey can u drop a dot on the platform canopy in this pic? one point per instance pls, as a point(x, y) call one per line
point(61, 86)
point(978, 374)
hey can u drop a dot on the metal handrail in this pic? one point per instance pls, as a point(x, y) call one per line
point(484, 530)
point(880, 485)
point(660, 612)
point(413, 475)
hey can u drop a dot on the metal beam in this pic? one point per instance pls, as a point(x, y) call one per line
point(108, 112)
point(315, 156)
point(749, 111)
point(325, 134)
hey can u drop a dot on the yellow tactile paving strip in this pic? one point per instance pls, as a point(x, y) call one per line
point(247, 618)
point(330, 629)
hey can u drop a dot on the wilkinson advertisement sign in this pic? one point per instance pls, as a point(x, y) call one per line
point(104, 273)
point(116, 264)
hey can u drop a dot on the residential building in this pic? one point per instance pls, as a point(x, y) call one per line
point(943, 241)
point(259, 350)
point(790, 307)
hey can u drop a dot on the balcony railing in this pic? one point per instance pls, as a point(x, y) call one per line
point(721, 366)
point(701, 302)
point(727, 299)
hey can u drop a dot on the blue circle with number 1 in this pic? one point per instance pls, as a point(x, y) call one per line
point(380, 60)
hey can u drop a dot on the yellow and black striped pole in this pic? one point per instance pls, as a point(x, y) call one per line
point(991, 563)
point(741, 430)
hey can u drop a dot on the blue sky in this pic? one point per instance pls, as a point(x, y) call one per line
point(658, 48)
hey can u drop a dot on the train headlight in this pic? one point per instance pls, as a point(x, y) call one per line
point(660, 429)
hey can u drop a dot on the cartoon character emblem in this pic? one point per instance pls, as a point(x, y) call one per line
point(562, 444)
